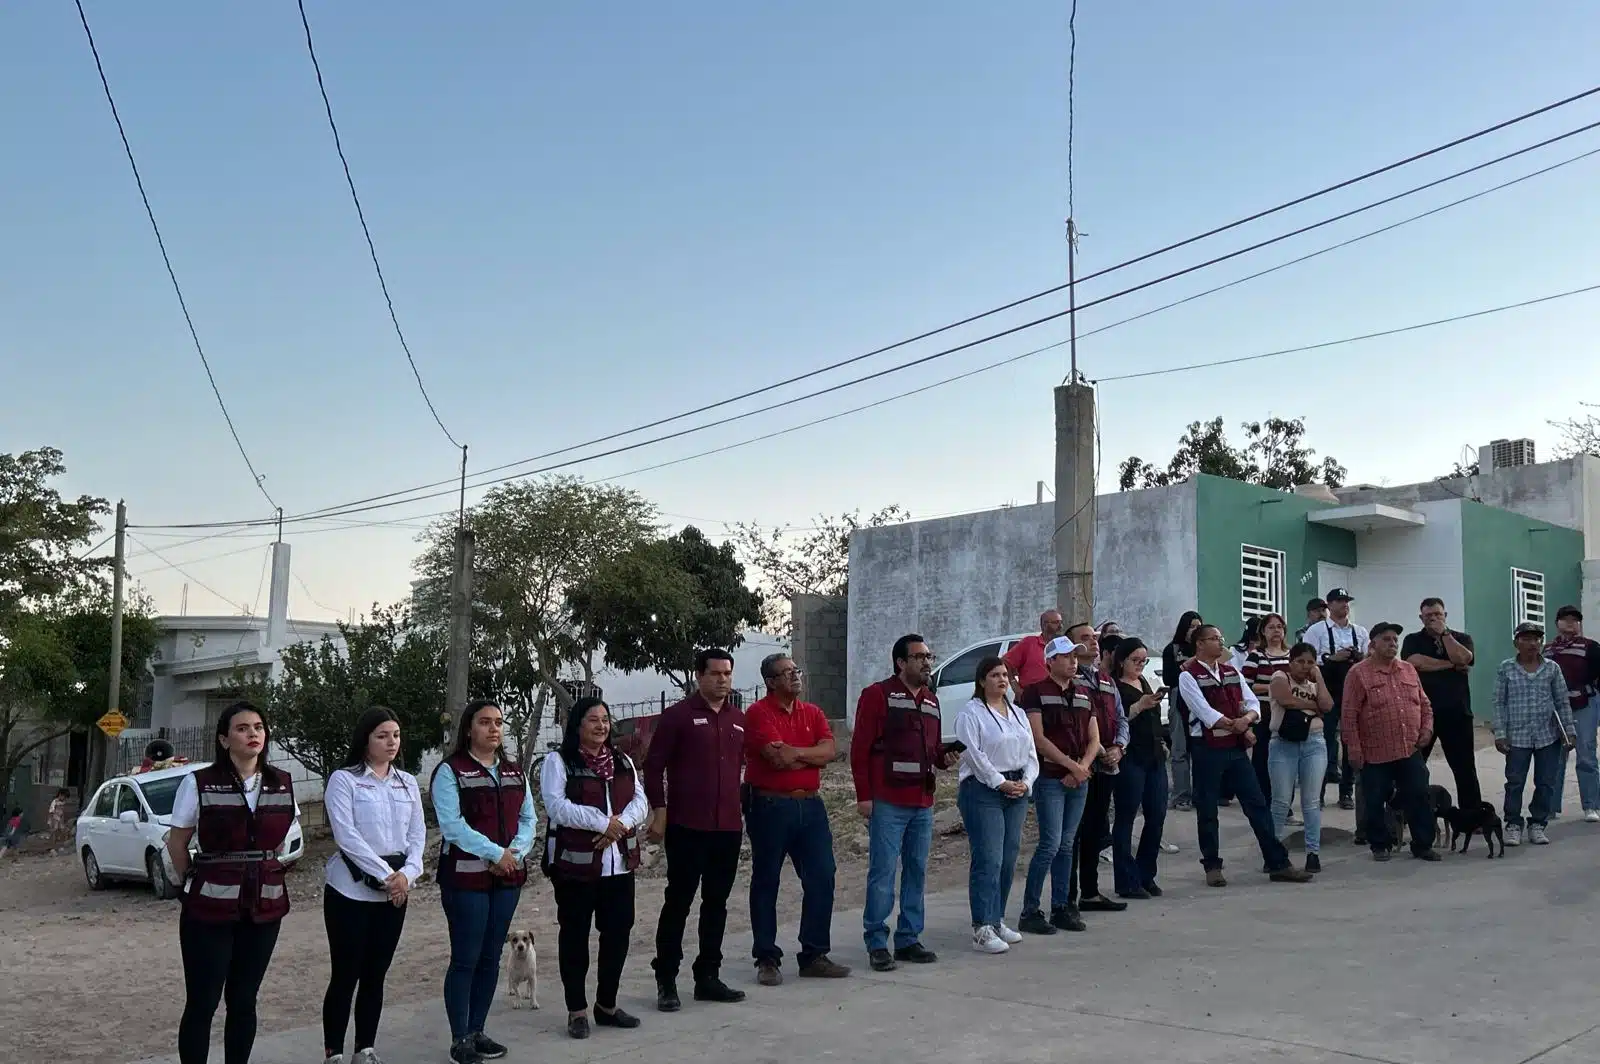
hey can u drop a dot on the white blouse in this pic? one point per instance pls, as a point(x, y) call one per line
point(372, 817)
point(996, 743)
point(563, 812)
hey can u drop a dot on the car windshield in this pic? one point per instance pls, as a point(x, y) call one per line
point(160, 794)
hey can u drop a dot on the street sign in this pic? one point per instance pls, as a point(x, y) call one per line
point(113, 723)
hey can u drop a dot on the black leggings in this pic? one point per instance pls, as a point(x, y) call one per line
point(222, 961)
point(608, 903)
point(362, 936)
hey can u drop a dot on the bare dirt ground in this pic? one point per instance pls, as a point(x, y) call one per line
point(85, 972)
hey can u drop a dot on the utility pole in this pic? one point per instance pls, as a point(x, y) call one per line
point(97, 738)
point(460, 623)
point(1075, 432)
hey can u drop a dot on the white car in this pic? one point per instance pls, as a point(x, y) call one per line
point(953, 679)
point(122, 831)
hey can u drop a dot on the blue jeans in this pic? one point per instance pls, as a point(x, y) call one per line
point(1304, 764)
point(1058, 808)
point(899, 835)
point(1138, 787)
point(994, 831)
point(1182, 782)
point(797, 829)
point(479, 921)
point(1213, 769)
point(1546, 763)
point(1587, 720)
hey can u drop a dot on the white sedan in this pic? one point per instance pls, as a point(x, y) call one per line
point(122, 831)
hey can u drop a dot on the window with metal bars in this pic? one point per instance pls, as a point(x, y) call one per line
point(1260, 581)
point(1527, 596)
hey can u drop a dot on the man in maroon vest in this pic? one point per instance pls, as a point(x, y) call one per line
point(1093, 686)
point(1579, 659)
point(1222, 711)
point(692, 777)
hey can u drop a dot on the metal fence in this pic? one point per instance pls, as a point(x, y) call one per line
point(127, 752)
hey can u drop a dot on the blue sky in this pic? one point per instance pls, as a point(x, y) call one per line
point(594, 216)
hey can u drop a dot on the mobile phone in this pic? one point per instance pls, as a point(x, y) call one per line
point(957, 747)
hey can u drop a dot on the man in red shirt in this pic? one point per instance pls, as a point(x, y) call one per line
point(786, 743)
point(894, 751)
point(691, 777)
point(1388, 721)
point(1025, 659)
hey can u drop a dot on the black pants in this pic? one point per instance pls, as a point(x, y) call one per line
point(222, 961)
point(607, 905)
point(1339, 770)
point(1258, 755)
point(1453, 728)
point(1094, 832)
point(703, 861)
point(362, 936)
point(1407, 779)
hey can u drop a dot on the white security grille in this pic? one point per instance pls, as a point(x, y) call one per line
point(1260, 581)
point(1527, 596)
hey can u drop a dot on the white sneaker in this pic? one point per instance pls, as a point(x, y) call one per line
point(1168, 847)
point(1513, 834)
point(367, 1056)
point(1537, 836)
point(337, 1058)
point(1008, 936)
point(985, 940)
point(1591, 816)
point(1105, 856)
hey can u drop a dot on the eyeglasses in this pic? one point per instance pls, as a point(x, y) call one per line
point(929, 657)
point(795, 673)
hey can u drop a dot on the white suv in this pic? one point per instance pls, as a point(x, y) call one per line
point(953, 679)
point(122, 831)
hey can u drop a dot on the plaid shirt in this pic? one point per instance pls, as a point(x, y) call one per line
point(1385, 711)
point(1526, 704)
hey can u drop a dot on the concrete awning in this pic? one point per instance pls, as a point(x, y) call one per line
point(1368, 517)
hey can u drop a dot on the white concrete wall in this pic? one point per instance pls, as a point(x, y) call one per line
point(1397, 568)
point(958, 580)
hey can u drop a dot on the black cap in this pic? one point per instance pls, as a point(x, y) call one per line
point(1339, 594)
point(1529, 628)
point(1569, 611)
point(1316, 604)
point(1382, 627)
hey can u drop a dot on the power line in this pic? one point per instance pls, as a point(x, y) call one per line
point(1046, 292)
point(313, 598)
point(1026, 354)
point(182, 571)
point(361, 216)
point(377, 502)
point(172, 275)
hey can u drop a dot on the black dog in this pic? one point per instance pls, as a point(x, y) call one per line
point(1439, 800)
point(1464, 823)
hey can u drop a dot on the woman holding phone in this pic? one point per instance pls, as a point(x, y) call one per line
point(375, 811)
point(1299, 698)
point(999, 765)
point(1142, 783)
point(486, 820)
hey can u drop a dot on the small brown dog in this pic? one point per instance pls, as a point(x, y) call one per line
point(522, 969)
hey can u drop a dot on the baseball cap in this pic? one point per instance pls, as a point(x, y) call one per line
point(1385, 626)
point(1058, 646)
point(1529, 628)
point(1339, 594)
point(1316, 604)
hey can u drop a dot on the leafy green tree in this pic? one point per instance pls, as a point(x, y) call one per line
point(655, 606)
point(323, 687)
point(535, 541)
point(1274, 455)
point(814, 561)
point(43, 536)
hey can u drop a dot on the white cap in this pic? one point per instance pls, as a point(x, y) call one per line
point(1058, 646)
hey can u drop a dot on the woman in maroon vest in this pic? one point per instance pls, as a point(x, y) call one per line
point(242, 809)
point(595, 803)
point(486, 821)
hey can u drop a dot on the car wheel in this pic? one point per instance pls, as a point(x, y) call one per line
point(91, 871)
point(160, 883)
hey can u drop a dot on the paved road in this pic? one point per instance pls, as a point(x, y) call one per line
point(1465, 962)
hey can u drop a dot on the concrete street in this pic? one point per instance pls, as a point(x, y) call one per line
point(1469, 961)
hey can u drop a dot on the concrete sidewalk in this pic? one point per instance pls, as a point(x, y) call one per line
point(1468, 961)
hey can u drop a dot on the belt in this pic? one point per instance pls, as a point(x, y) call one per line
point(234, 856)
point(1014, 775)
point(764, 793)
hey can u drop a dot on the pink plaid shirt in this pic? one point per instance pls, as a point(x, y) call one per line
point(1385, 711)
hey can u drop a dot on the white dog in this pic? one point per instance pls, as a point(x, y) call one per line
point(522, 968)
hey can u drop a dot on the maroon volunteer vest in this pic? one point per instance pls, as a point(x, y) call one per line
point(491, 808)
point(575, 856)
point(1226, 696)
point(1572, 655)
point(909, 748)
point(236, 874)
point(1065, 723)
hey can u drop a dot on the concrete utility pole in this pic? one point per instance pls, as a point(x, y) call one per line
point(97, 738)
point(1075, 509)
point(460, 623)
